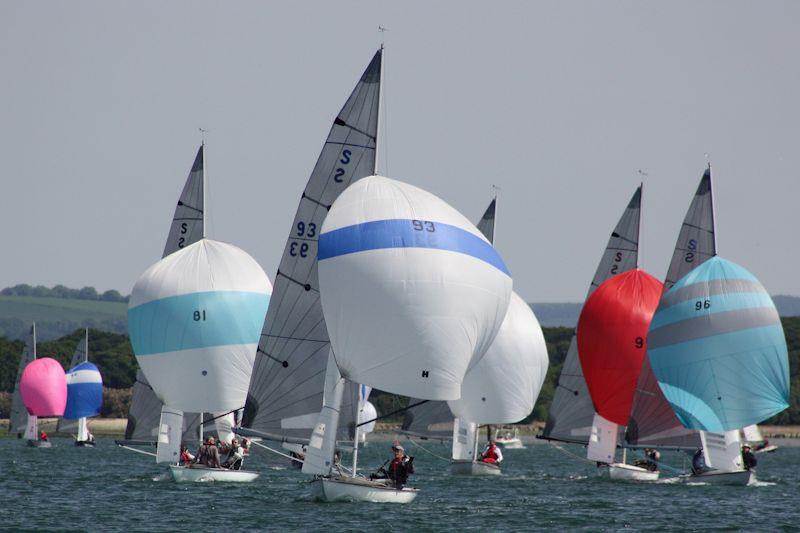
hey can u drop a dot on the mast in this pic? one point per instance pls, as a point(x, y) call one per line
point(86, 346)
point(205, 205)
point(639, 226)
point(713, 212)
point(378, 123)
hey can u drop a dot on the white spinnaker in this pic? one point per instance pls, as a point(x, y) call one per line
point(722, 451)
point(194, 319)
point(502, 388)
point(368, 413)
point(223, 422)
point(406, 312)
point(169, 435)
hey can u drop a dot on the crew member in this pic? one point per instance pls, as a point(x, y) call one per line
point(235, 456)
point(652, 457)
point(699, 462)
point(400, 467)
point(208, 454)
point(748, 458)
point(186, 457)
point(43, 436)
point(492, 454)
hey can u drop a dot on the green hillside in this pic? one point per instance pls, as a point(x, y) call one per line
point(56, 317)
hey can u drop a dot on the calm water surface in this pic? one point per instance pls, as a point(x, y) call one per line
point(112, 489)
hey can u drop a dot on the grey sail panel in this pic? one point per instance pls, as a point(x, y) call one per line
point(571, 412)
point(19, 414)
point(81, 354)
point(486, 223)
point(289, 371)
point(348, 412)
point(696, 243)
point(187, 227)
point(653, 421)
point(188, 222)
point(431, 419)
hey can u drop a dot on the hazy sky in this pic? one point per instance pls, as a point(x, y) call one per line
point(559, 103)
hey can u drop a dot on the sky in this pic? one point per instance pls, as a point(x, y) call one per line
point(557, 103)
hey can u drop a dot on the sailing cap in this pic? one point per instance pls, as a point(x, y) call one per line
point(398, 447)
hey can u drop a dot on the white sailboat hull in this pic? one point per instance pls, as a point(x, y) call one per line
point(40, 444)
point(626, 472)
point(474, 468)
point(334, 489)
point(510, 444)
point(185, 474)
point(739, 477)
point(770, 448)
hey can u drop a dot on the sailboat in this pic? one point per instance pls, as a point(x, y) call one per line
point(19, 422)
point(572, 413)
point(413, 295)
point(718, 351)
point(502, 388)
point(751, 435)
point(43, 388)
point(84, 395)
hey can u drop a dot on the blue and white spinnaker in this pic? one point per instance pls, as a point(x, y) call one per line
point(84, 391)
point(194, 320)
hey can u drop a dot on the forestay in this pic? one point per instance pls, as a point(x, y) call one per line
point(653, 422)
point(194, 320)
point(718, 350)
point(413, 294)
point(571, 412)
point(19, 415)
point(286, 388)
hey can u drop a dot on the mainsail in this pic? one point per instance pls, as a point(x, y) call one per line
point(653, 422)
point(186, 228)
point(571, 412)
point(286, 387)
point(18, 420)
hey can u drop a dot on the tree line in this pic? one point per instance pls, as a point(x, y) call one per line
point(60, 291)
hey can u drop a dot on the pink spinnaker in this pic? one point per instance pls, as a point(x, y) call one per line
point(43, 387)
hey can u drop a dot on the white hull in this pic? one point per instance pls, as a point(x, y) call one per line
point(185, 474)
point(510, 444)
point(770, 448)
point(626, 472)
point(474, 468)
point(39, 444)
point(741, 477)
point(334, 489)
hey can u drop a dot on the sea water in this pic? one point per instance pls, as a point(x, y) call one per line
point(542, 487)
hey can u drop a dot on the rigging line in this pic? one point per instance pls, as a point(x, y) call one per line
point(351, 144)
point(306, 197)
point(283, 363)
point(698, 228)
point(180, 203)
point(392, 413)
point(206, 420)
point(418, 445)
point(339, 122)
point(575, 392)
point(276, 451)
point(580, 458)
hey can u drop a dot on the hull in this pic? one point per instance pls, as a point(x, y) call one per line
point(85, 443)
point(184, 474)
point(334, 489)
point(39, 444)
point(740, 478)
point(625, 472)
point(770, 448)
point(510, 444)
point(476, 468)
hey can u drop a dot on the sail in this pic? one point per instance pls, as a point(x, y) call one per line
point(81, 354)
point(286, 388)
point(486, 223)
point(722, 451)
point(465, 436)
point(718, 350)
point(413, 294)
point(19, 415)
point(43, 387)
point(367, 416)
point(752, 434)
point(696, 241)
point(194, 320)
point(188, 225)
point(84, 391)
point(612, 333)
point(502, 388)
point(652, 421)
point(431, 420)
point(571, 412)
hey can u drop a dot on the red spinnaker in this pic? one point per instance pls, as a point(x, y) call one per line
point(612, 340)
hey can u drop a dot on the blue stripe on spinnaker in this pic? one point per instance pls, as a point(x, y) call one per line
point(404, 233)
point(197, 320)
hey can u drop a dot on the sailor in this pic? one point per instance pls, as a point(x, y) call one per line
point(186, 457)
point(43, 436)
point(762, 445)
point(492, 454)
point(235, 456)
point(399, 469)
point(699, 462)
point(208, 454)
point(652, 457)
point(748, 458)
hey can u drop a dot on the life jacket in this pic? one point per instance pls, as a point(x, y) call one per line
point(490, 455)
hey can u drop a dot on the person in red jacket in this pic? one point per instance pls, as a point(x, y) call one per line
point(400, 467)
point(43, 436)
point(492, 454)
